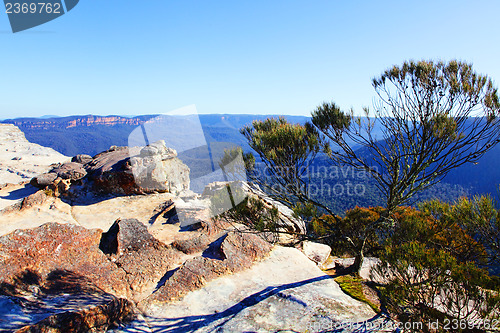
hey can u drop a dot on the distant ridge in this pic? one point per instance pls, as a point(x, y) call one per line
point(47, 122)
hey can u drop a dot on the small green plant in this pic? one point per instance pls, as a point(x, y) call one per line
point(355, 287)
point(49, 192)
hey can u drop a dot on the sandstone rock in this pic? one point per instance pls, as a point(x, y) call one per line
point(43, 180)
point(81, 158)
point(21, 160)
point(95, 319)
point(284, 292)
point(239, 190)
point(60, 186)
point(70, 170)
point(158, 148)
point(128, 171)
point(144, 259)
point(232, 253)
point(31, 201)
point(63, 301)
point(111, 172)
point(34, 199)
point(317, 252)
point(157, 169)
point(54, 246)
point(193, 213)
point(193, 245)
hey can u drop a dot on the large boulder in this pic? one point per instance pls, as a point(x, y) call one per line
point(316, 252)
point(144, 259)
point(52, 247)
point(124, 170)
point(81, 158)
point(43, 180)
point(70, 170)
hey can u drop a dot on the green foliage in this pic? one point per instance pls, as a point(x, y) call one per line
point(434, 118)
point(478, 217)
point(231, 204)
point(281, 142)
point(286, 150)
point(425, 284)
point(439, 233)
point(329, 115)
point(347, 236)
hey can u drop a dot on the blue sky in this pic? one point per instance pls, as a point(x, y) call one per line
point(267, 57)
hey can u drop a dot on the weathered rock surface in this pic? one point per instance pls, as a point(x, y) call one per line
point(232, 253)
point(317, 252)
point(287, 221)
point(81, 158)
point(32, 200)
point(193, 213)
point(95, 319)
point(43, 180)
point(154, 168)
point(61, 302)
point(144, 259)
point(70, 170)
point(55, 246)
point(284, 292)
point(52, 209)
point(21, 160)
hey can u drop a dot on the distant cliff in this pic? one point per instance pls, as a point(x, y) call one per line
point(76, 121)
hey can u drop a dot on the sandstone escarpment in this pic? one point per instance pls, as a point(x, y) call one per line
point(20, 160)
point(76, 121)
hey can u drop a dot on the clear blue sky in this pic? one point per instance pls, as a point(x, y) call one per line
point(270, 57)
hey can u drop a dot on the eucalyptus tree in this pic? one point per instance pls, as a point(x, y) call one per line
point(433, 117)
point(429, 118)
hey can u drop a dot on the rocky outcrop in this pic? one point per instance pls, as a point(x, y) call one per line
point(54, 246)
point(317, 252)
point(240, 190)
point(60, 178)
point(143, 258)
point(124, 170)
point(157, 168)
point(44, 180)
point(284, 292)
point(186, 271)
point(232, 253)
point(121, 170)
point(21, 160)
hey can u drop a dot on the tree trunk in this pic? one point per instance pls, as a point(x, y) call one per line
point(358, 263)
